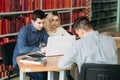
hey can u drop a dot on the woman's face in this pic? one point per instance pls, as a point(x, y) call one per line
point(55, 22)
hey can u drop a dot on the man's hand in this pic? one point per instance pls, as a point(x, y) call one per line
point(43, 49)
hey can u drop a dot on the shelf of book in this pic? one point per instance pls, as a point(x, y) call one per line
point(27, 12)
point(103, 12)
point(8, 35)
point(16, 13)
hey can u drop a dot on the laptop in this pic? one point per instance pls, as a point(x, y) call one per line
point(58, 45)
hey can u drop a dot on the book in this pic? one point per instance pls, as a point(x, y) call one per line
point(38, 55)
point(34, 58)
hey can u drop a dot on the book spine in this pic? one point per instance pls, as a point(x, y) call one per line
point(54, 4)
point(3, 6)
point(1, 27)
point(59, 4)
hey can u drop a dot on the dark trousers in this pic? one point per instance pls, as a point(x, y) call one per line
point(35, 75)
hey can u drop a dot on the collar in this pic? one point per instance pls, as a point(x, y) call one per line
point(92, 34)
point(32, 28)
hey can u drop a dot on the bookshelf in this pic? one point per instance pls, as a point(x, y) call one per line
point(16, 13)
point(104, 13)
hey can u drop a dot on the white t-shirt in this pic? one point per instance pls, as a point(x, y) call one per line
point(60, 32)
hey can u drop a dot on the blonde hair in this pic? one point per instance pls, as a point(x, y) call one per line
point(48, 21)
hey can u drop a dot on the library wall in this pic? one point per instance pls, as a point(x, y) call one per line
point(14, 14)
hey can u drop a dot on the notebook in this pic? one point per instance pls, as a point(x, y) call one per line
point(34, 58)
point(58, 45)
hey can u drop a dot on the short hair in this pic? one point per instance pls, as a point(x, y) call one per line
point(38, 14)
point(82, 23)
point(49, 18)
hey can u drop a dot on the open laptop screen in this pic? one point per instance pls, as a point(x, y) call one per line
point(58, 45)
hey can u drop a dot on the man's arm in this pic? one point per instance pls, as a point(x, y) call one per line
point(68, 58)
point(45, 36)
point(23, 43)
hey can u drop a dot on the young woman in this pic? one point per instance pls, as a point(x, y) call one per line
point(53, 28)
point(52, 25)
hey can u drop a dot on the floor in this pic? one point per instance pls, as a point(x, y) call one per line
point(110, 28)
point(17, 78)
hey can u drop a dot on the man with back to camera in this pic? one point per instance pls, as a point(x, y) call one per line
point(91, 48)
point(29, 38)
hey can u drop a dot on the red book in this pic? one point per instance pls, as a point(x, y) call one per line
point(73, 3)
point(30, 16)
point(84, 3)
point(87, 3)
point(3, 6)
point(12, 25)
point(26, 20)
point(0, 74)
point(13, 7)
point(0, 5)
point(68, 18)
point(5, 40)
point(8, 5)
point(9, 28)
point(62, 18)
point(3, 67)
point(18, 5)
point(48, 4)
point(60, 4)
point(0, 66)
point(1, 41)
point(54, 4)
point(44, 6)
point(39, 4)
point(0, 26)
point(6, 73)
point(81, 13)
point(0, 57)
point(81, 3)
point(74, 15)
point(36, 4)
point(4, 26)
point(30, 5)
point(67, 3)
point(23, 5)
point(19, 23)
point(78, 3)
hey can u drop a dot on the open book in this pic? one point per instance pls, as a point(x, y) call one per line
point(34, 58)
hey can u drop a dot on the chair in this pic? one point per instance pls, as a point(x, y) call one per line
point(7, 54)
point(91, 71)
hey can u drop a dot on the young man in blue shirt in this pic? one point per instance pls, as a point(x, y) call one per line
point(29, 38)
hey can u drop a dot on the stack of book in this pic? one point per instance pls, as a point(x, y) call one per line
point(34, 58)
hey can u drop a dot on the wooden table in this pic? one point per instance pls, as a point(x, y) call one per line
point(115, 35)
point(50, 67)
point(112, 33)
point(117, 41)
